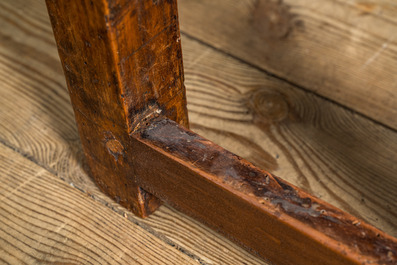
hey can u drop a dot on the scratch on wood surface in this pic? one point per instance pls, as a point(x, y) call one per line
point(61, 226)
point(378, 52)
point(145, 43)
point(123, 252)
point(121, 255)
point(7, 195)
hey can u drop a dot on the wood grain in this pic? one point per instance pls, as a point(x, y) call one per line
point(45, 221)
point(120, 58)
point(36, 119)
point(342, 50)
point(264, 213)
point(329, 151)
point(44, 130)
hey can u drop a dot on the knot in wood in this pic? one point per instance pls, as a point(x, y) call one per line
point(268, 106)
point(115, 148)
point(272, 19)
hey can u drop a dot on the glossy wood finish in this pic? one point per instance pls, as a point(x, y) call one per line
point(120, 58)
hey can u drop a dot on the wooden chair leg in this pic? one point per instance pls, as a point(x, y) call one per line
point(122, 60)
point(123, 65)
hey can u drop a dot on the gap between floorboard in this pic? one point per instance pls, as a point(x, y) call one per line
point(270, 74)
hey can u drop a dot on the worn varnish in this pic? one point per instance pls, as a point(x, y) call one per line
point(271, 217)
point(45, 131)
point(113, 76)
point(333, 153)
point(135, 85)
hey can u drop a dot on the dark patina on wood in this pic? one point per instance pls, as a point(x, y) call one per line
point(119, 58)
point(123, 66)
point(271, 217)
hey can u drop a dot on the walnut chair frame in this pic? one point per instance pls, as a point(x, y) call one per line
point(123, 65)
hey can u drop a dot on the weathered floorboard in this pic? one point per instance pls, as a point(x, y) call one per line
point(329, 151)
point(44, 130)
point(343, 50)
point(36, 118)
point(43, 221)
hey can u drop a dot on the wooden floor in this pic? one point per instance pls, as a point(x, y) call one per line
point(305, 89)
